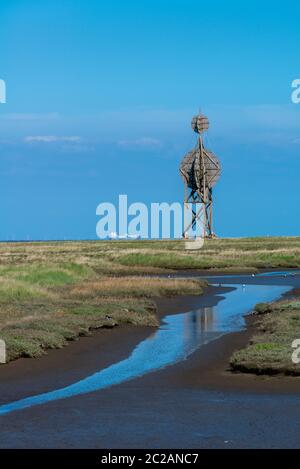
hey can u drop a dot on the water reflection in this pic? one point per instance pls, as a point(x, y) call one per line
point(176, 339)
point(196, 324)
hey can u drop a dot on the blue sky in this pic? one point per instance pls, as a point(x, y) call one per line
point(115, 84)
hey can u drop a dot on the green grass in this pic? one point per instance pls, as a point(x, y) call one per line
point(270, 349)
point(14, 291)
point(51, 293)
point(115, 257)
point(47, 275)
point(33, 337)
point(237, 254)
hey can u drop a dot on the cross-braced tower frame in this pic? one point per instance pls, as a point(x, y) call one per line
point(200, 170)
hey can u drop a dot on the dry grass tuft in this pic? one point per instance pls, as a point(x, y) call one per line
point(137, 287)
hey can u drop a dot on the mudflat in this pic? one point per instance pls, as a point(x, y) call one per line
point(194, 403)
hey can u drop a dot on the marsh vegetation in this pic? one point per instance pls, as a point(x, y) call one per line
point(53, 292)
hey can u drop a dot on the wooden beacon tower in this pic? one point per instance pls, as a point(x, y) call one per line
point(200, 170)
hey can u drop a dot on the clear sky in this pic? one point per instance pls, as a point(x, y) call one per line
point(115, 84)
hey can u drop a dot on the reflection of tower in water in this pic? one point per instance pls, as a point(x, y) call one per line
point(197, 323)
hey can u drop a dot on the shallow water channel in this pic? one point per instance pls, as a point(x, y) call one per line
point(175, 340)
